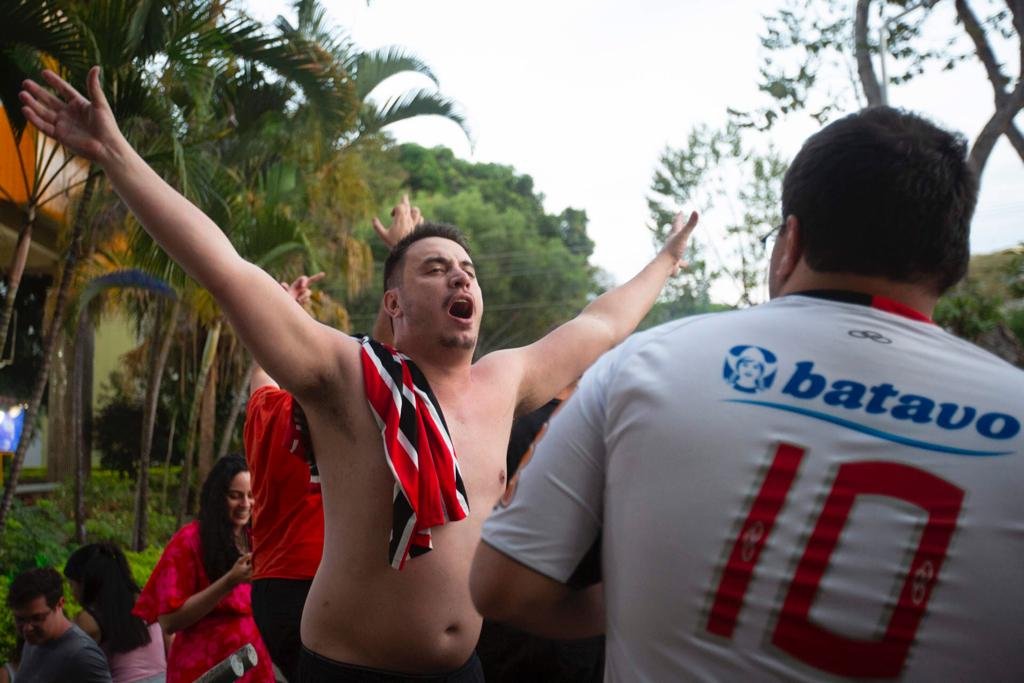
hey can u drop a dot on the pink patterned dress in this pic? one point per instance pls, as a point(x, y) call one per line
point(180, 574)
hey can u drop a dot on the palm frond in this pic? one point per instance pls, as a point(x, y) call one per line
point(131, 278)
point(324, 83)
point(413, 103)
point(376, 66)
point(277, 253)
point(31, 30)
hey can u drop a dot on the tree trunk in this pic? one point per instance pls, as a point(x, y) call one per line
point(207, 425)
point(241, 393)
point(16, 270)
point(167, 460)
point(149, 411)
point(209, 354)
point(60, 443)
point(49, 346)
point(862, 50)
point(81, 381)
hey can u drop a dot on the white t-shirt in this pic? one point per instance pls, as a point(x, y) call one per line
point(806, 488)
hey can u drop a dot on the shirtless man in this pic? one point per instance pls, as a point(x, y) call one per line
point(360, 611)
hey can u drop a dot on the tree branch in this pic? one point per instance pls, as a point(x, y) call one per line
point(982, 48)
point(997, 125)
point(862, 49)
point(1016, 139)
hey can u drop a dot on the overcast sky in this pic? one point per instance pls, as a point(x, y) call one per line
point(583, 95)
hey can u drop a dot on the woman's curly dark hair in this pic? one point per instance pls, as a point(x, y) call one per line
point(216, 532)
point(108, 593)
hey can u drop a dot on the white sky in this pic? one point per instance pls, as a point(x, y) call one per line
point(583, 95)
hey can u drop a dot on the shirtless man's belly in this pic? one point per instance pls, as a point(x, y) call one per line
point(420, 619)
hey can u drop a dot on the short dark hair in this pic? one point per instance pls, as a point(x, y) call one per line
point(884, 192)
point(29, 585)
point(392, 270)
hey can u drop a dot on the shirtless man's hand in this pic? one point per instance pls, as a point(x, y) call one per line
point(359, 609)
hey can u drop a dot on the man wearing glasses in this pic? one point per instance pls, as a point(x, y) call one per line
point(55, 649)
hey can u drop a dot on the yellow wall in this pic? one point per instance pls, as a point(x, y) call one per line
point(114, 337)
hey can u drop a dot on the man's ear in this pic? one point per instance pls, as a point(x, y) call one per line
point(60, 603)
point(792, 248)
point(391, 305)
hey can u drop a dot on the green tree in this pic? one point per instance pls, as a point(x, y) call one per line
point(31, 33)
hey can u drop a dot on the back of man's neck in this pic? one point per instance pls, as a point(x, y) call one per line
point(917, 296)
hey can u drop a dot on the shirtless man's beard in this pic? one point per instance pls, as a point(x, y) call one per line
point(463, 343)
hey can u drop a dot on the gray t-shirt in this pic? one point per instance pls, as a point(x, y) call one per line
point(72, 657)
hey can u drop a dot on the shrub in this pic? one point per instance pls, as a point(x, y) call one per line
point(36, 536)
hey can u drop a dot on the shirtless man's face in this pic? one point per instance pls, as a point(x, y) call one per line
point(439, 297)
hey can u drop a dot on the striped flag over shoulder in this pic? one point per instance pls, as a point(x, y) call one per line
point(429, 490)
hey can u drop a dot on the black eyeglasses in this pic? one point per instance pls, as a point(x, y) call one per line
point(33, 619)
point(770, 234)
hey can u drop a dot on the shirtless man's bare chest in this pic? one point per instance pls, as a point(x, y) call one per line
point(357, 599)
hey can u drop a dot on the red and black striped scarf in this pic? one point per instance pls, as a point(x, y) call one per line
point(428, 485)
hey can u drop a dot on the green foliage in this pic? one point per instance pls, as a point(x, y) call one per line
point(35, 536)
point(967, 313)
point(991, 295)
point(109, 500)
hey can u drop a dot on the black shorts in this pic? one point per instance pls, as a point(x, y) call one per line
point(277, 609)
point(314, 668)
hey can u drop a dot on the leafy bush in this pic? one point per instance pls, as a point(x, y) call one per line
point(36, 536)
point(110, 505)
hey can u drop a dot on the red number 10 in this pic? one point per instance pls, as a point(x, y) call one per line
point(794, 632)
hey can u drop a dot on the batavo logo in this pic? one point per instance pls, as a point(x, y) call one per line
point(860, 399)
point(749, 369)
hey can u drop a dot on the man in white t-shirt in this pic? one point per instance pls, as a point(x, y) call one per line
point(828, 484)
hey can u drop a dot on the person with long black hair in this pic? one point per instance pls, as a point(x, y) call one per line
point(102, 583)
point(199, 590)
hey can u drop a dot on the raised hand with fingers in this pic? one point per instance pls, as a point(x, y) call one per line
point(675, 245)
point(404, 219)
point(300, 288)
point(86, 126)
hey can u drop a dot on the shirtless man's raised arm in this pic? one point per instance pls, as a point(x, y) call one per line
point(560, 357)
point(293, 347)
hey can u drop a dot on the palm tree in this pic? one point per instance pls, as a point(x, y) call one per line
point(32, 34)
point(368, 70)
point(127, 37)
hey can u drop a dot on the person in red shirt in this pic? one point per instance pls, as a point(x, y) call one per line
point(288, 517)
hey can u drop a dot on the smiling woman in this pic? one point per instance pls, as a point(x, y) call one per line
point(200, 588)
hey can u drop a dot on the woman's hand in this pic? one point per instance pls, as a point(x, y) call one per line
point(241, 572)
